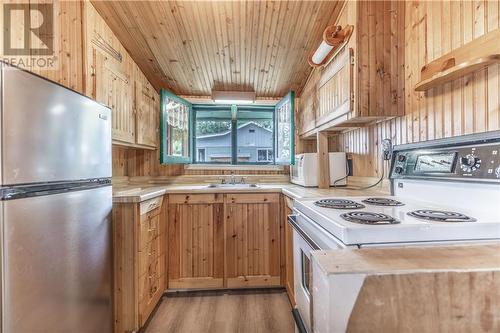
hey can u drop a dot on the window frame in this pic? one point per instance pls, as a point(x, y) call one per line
point(164, 134)
point(234, 129)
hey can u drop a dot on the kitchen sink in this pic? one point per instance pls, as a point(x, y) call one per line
point(232, 186)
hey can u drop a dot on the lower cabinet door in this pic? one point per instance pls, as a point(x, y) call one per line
point(252, 235)
point(195, 241)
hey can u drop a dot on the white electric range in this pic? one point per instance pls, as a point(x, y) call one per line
point(443, 191)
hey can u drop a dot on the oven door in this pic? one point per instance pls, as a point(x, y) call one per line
point(308, 236)
point(303, 245)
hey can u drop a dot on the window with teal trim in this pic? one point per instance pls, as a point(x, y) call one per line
point(175, 129)
point(226, 134)
point(233, 134)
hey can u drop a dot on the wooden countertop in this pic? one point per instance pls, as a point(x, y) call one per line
point(407, 289)
point(409, 259)
point(142, 192)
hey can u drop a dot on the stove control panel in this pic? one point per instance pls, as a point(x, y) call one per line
point(474, 162)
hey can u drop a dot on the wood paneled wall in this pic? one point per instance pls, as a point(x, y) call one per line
point(467, 105)
point(145, 163)
point(68, 41)
point(198, 46)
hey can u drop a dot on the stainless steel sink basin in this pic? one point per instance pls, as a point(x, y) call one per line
point(233, 186)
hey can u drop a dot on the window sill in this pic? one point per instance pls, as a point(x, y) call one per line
point(233, 167)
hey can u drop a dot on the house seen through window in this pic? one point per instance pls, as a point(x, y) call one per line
point(232, 135)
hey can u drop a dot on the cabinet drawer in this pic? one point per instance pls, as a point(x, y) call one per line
point(289, 202)
point(149, 230)
point(148, 255)
point(161, 266)
point(148, 287)
point(252, 198)
point(195, 198)
point(149, 205)
point(151, 294)
point(151, 268)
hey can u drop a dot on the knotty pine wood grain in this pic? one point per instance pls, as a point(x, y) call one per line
point(68, 43)
point(377, 44)
point(464, 106)
point(195, 241)
point(196, 47)
point(428, 302)
point(67, 38)
point(131, 162)
point(252, 240)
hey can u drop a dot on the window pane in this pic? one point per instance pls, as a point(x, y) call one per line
point(255, 136)
point(177, 126)
point(284, 130)
point(213, 136)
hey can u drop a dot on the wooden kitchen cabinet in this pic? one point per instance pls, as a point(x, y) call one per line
point(115, 80)
point(362, 83)
point(196, 241)
point(308, 104)
point(147, 110)
point(114, 88)
point(252, 237)
point(139, 251)
point(223, 240)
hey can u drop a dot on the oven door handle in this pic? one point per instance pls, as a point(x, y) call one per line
point(292, 219)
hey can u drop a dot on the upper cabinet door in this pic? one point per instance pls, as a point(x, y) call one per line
point(285, 129)
point(175, 129)
point(147, 117)
point(113, 87)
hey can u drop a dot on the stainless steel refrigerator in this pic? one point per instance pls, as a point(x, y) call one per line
point(56, 200)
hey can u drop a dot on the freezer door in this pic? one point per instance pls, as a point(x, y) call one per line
point(57, 263)
point(50, 133)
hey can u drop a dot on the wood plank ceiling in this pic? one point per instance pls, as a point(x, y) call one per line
point(194, 47)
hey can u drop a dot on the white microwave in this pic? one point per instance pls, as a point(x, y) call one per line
point(305, 170)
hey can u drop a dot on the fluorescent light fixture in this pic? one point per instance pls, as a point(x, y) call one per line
point(321, 53)
point(334, 37)
point(233, 97)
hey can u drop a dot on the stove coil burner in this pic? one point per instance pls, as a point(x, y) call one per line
point(383, 202)
point(441, 216)
point(338, 204)
point(369, 218)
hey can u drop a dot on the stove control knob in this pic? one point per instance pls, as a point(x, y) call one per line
point(470, 163)
point(398, 170)
point(401, 158)
point(497, 172)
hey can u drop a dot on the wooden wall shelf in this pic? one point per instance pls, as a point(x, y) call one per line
point(456, 72)
point(475, 55)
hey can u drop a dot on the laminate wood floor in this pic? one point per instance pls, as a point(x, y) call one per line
point(223, 311)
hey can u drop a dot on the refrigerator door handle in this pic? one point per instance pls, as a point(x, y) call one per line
point(37, 190)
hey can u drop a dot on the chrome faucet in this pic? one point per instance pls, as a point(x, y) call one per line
point(232, 178)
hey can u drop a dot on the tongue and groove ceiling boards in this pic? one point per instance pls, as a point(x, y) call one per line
point(194, 47)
